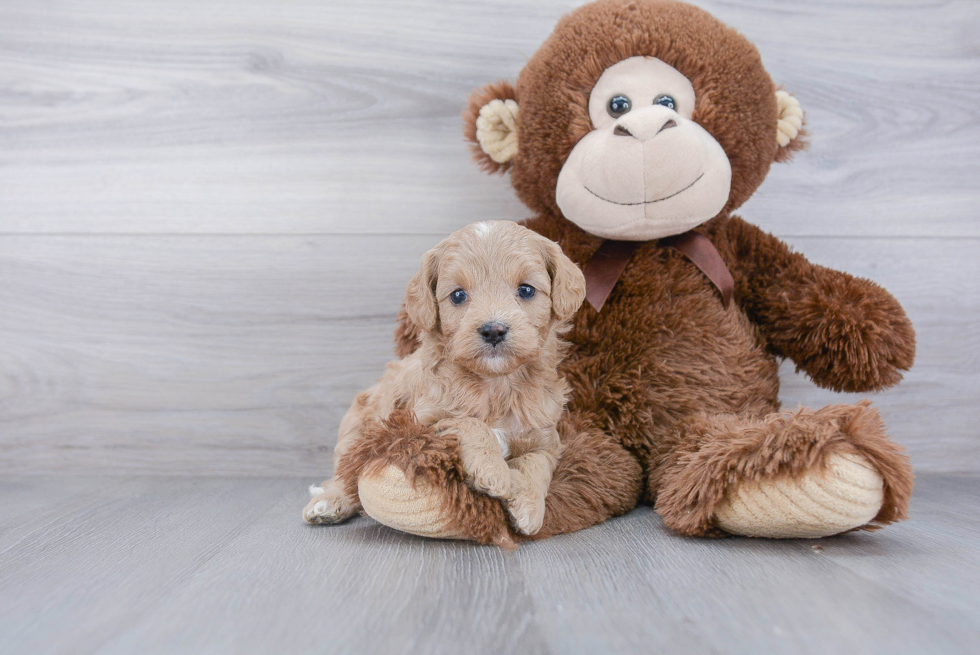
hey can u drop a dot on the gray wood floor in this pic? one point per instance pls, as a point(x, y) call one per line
point(219, 565)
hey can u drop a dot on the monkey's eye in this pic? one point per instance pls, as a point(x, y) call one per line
point(458, 297)
point(665, 101)
point(618, 105)
point(525, 291)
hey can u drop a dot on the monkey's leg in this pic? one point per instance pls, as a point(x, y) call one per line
point(411, 477)
point(413, 480)
point(788, 475)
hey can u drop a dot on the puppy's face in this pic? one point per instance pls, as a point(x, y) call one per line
point(495, 292)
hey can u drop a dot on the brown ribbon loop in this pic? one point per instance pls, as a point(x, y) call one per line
point(699, 249)
point(603, 270)
point(610, 260)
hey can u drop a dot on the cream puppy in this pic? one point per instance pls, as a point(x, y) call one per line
point(491, 301)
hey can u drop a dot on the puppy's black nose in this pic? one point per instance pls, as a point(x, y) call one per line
point(493, 333)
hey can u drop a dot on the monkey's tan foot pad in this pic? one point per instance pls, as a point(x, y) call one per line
point(844, 496)
point(388, 498)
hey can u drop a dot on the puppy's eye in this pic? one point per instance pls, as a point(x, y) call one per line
point(665, 101)
point(618, 105)
point(526, 291)
point(458, 297)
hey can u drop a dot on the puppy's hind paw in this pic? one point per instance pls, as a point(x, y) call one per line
point(328, 508)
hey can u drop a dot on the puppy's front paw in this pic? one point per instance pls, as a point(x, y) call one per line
point(489, 476)
point(327, 508)
point(483, 461)
point(525, 504)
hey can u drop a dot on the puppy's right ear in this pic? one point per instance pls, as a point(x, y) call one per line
point(567, 281)
point(420, 296)
point(490, 125)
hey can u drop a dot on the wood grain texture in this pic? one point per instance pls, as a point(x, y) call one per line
point(225, 355)
point(171, 565)
point(343, 117)
point(208, 212)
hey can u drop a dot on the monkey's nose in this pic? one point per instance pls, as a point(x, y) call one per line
point(645, 124)
point(493, 333)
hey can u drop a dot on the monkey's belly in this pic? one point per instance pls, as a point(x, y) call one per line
point(644, 366)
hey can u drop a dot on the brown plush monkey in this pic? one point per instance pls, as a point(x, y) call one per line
point(633, 134)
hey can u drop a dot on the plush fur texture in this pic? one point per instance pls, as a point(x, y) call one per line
point(714, 452)
point(674, 398)
point(402, 441)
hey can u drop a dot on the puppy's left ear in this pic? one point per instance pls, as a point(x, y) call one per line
point(567, 281)
point(420, 296)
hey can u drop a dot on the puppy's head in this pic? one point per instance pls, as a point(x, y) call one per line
point(494, 293)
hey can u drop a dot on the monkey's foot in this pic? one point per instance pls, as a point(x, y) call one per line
point(847, 494)
point(389, 498)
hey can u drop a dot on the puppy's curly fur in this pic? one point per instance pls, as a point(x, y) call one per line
point(491, 302)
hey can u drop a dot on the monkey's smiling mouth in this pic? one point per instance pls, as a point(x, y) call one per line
point(646, 202)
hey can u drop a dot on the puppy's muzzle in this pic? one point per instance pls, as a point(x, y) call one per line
point(493, 333)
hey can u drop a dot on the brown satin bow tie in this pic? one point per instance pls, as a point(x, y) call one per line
point(610, 260)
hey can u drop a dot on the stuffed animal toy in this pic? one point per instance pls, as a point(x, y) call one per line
point(633, 134)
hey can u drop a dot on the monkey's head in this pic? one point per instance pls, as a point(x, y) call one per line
point(636, 120)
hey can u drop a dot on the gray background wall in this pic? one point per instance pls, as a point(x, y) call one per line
point(209, 210)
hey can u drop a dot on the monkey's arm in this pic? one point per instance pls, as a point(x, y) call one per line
point(406, 334)
point(846, 333)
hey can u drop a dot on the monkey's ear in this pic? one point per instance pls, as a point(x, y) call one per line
point(790, 135)
point(567, 281)
point(490, 125)
point(420, 295)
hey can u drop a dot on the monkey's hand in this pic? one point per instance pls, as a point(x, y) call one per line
point(846, 333)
